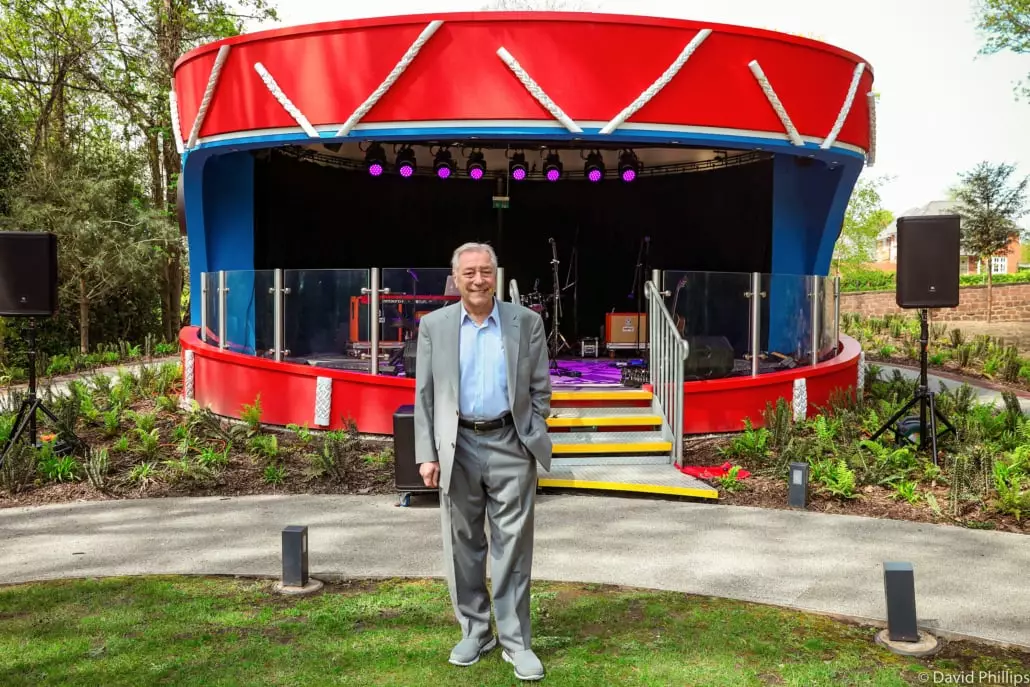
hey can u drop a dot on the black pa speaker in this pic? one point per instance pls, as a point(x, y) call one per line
point(928, 261)
point(708, 357)
point(28, 274)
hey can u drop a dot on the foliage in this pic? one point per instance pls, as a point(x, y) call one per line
point(876, 280)
point(864, 219)
point(989, 203)
point(1005, 25)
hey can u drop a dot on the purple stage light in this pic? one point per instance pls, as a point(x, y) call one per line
point(595, 175)
point(407, 171)
point(476, 173)
point(443, 172)
point(629, 175)
point(553, 175)
point(518, 174)
point(375, 169)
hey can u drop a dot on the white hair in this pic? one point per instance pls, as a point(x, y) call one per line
point(476, 248)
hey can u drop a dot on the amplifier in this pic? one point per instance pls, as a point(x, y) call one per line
point(621, 328)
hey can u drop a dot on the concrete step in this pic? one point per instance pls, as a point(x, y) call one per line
point(646, 479)
point(594, 443)
point(604, 417)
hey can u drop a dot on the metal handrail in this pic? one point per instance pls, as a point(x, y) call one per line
point(668, 354)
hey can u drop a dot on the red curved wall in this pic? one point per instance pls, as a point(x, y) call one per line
point(225, 381)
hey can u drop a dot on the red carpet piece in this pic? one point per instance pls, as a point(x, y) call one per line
point(711, 472)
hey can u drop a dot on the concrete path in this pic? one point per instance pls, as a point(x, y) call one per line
point(984, 394)
point(967, 581)
point(59, 385)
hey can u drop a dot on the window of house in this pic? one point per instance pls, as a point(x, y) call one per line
point(963, 265)
point(999, 264)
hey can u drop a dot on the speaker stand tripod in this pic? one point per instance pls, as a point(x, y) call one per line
point(26, 417)
point(924, 397)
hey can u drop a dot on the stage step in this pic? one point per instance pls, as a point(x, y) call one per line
point(584, 461)
point(653, 442)
point(604, 417)
point(600, 394)
point(645, 479)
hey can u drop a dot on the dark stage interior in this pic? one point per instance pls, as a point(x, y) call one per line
point(314, 216)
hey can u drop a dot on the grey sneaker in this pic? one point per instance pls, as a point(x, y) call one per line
point(467, 651)
point(527, 665)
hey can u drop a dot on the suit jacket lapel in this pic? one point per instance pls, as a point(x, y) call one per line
point(510, 332)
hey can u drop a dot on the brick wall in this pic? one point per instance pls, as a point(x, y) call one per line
point(1010, 303)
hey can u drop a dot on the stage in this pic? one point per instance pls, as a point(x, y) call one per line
point(670, 212)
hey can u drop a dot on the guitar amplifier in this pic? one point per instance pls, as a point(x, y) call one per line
point(620, 328)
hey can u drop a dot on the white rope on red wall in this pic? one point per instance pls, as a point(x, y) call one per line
point(845, 108)
point(774, 100)
point(209, 92)
point(537, 92)
point(287, 104)
point(398, 69)
point(662, 81)
point(173, 102)
point(871, 99)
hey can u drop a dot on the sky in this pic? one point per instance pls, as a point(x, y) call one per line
point(943, 108)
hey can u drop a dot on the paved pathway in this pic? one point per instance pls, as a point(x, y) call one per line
point(59, 385)
point(966, 581)
point(983, 393)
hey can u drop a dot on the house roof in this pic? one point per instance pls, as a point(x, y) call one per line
point(934, 207)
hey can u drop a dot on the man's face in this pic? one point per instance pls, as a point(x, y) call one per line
point(476, 278)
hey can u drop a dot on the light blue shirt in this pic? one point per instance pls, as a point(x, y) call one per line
point(483, 387)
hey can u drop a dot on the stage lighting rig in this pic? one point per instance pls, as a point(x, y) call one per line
point(594, 168)
point(476, 165)
point(517, 166)
point(443, 164)
point(553, 167)
point(406, 162)
point(629, 166)
point(375, 159)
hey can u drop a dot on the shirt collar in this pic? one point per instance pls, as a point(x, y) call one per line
point(494, 314)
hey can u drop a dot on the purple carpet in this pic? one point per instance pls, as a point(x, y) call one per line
point(591, 371)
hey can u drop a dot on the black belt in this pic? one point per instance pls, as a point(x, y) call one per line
point(487, 425)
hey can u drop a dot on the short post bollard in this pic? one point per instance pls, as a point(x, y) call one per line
point(295, 578)
point(797, 493)
point(902, 635)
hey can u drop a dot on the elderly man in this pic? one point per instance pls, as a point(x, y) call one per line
point(482, 397)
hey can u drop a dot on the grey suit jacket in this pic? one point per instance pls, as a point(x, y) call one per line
point(437, 381)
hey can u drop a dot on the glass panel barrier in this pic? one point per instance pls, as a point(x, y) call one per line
point(209, 324)
point(827, 346)
point(789, 316)
point(713, 312)
point(248, 306)
point(326, 318)
point(414, 292)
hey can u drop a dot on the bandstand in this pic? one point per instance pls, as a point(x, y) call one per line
point(666, 193)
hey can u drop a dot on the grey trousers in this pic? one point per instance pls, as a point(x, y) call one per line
point(493, 476)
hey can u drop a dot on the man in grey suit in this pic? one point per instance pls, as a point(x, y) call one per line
point(482, 398)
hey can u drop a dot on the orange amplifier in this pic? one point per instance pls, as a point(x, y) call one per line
point(620, 328)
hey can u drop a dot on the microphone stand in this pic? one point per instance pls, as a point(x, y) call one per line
point(638, 280)
point(557, 342)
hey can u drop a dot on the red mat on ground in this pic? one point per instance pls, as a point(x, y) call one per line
point(712, 471)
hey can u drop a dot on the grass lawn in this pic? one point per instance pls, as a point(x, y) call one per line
point(224, 631)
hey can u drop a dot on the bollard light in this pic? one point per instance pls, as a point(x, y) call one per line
point(900, 589)
point(295, 556)
point(797, 492)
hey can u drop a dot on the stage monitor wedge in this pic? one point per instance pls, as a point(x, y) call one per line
point(928, 261)
point(28, 274)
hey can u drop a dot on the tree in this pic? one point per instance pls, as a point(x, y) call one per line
point(864, 219)
point(1005, 25)
point(989, 205)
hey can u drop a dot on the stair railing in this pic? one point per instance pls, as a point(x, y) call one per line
point(668, 353)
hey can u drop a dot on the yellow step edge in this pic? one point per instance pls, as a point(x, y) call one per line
point(616, 421)
point(634, 447)
point(612, 395)
point(622, 486)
